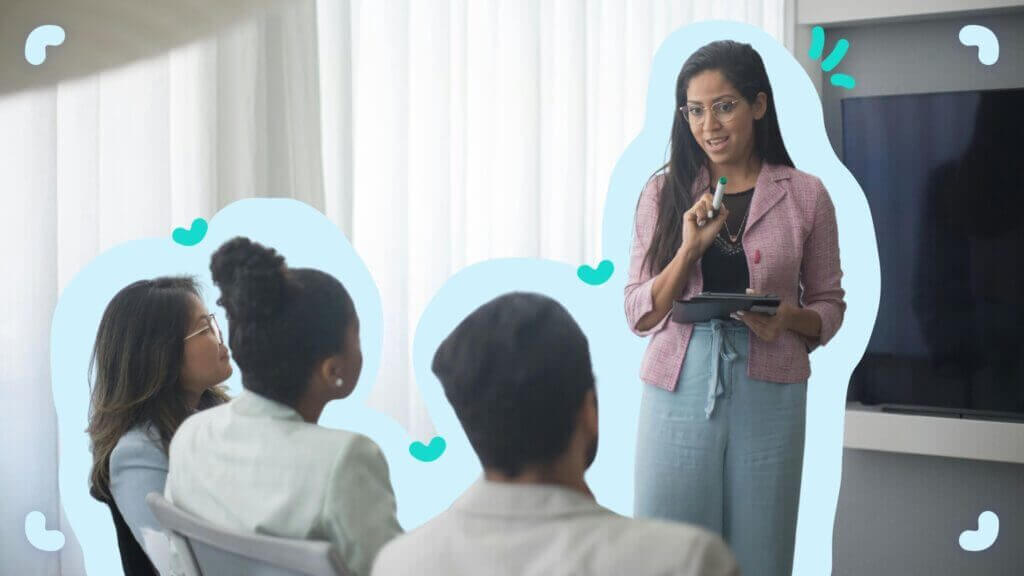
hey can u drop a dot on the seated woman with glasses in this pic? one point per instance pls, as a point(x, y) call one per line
point(158, 358)
point(261, 464)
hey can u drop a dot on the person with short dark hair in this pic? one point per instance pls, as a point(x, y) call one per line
point(261, 464)
point(517, 372)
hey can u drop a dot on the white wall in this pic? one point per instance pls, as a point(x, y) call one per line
point(824, 12)
point(838, 13)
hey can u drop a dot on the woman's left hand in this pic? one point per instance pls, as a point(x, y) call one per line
point(766, 327)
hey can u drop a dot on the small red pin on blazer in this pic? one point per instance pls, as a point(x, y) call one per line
point(757, 256)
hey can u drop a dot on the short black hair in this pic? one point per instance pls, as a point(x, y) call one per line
point(281, 321)
point(516, 371)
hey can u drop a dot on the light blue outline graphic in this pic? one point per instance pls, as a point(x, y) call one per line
point(307, 238)
point(986, 41)
point(39, 39)
point(38, 536)
point(984, 537)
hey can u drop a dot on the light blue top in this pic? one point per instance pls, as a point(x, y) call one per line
point(138, 466)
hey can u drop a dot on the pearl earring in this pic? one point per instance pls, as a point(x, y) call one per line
point(339, 382)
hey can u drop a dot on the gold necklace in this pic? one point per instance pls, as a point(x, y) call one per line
point(733, 237)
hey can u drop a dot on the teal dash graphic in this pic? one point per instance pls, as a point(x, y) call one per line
point(834, 57)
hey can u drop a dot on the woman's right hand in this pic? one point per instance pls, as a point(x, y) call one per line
point(698, 231)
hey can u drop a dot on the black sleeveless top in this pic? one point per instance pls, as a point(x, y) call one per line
point(724, 265)
point(133, 558)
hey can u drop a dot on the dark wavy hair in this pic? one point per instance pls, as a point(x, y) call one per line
point(136, 369)
point(282, 321)
point(516, 371)
point(743, 68)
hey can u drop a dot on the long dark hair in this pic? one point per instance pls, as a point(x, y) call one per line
point(282, 321)
point(743, 68)
point(136, 369)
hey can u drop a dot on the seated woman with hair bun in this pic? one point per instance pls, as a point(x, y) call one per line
point(261, 463)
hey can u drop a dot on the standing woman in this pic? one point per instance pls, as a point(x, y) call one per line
point(158, 358)
point(721, 431)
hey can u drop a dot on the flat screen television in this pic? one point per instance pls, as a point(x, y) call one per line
point(944, 178)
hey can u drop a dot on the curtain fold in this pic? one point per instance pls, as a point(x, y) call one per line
point(435, 135)
point(124, 154)
point(486, 130)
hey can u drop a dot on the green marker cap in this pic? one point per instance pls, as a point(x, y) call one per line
point(722, 180)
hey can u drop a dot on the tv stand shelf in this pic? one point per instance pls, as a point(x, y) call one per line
point(869, 428)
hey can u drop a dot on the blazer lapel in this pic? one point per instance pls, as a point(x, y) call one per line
point(767, 192)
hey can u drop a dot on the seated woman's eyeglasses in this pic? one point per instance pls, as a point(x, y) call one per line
point(724, 111)
point(211, 324)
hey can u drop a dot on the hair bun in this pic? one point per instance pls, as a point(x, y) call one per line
point(251, 278)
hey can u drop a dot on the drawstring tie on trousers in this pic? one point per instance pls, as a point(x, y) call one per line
point(722, 350)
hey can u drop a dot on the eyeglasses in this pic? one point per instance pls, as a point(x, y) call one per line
point(211, 324)
point(724, 111)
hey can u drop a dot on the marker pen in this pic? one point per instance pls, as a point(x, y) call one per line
point(716, 202)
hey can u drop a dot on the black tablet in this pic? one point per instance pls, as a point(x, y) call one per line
point(719, 305)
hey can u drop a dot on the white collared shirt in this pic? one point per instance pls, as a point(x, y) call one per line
point(537, 529)
point(255, 465)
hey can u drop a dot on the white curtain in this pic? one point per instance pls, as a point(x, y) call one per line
point(458, 131)
point(435, 134)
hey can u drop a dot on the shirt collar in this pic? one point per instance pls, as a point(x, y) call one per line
point(249, 403)
point(507, 499)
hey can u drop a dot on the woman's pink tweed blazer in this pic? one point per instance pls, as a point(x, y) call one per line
point(791, 242)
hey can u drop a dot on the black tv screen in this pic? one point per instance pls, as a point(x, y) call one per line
point(944, 177)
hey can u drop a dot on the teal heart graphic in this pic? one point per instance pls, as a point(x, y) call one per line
point(192, 236)
point(596, 277)
point(428, 453)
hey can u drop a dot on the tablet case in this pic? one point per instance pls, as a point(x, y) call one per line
point(713, 305)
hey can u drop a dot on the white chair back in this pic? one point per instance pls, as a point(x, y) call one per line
point(206, 550)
